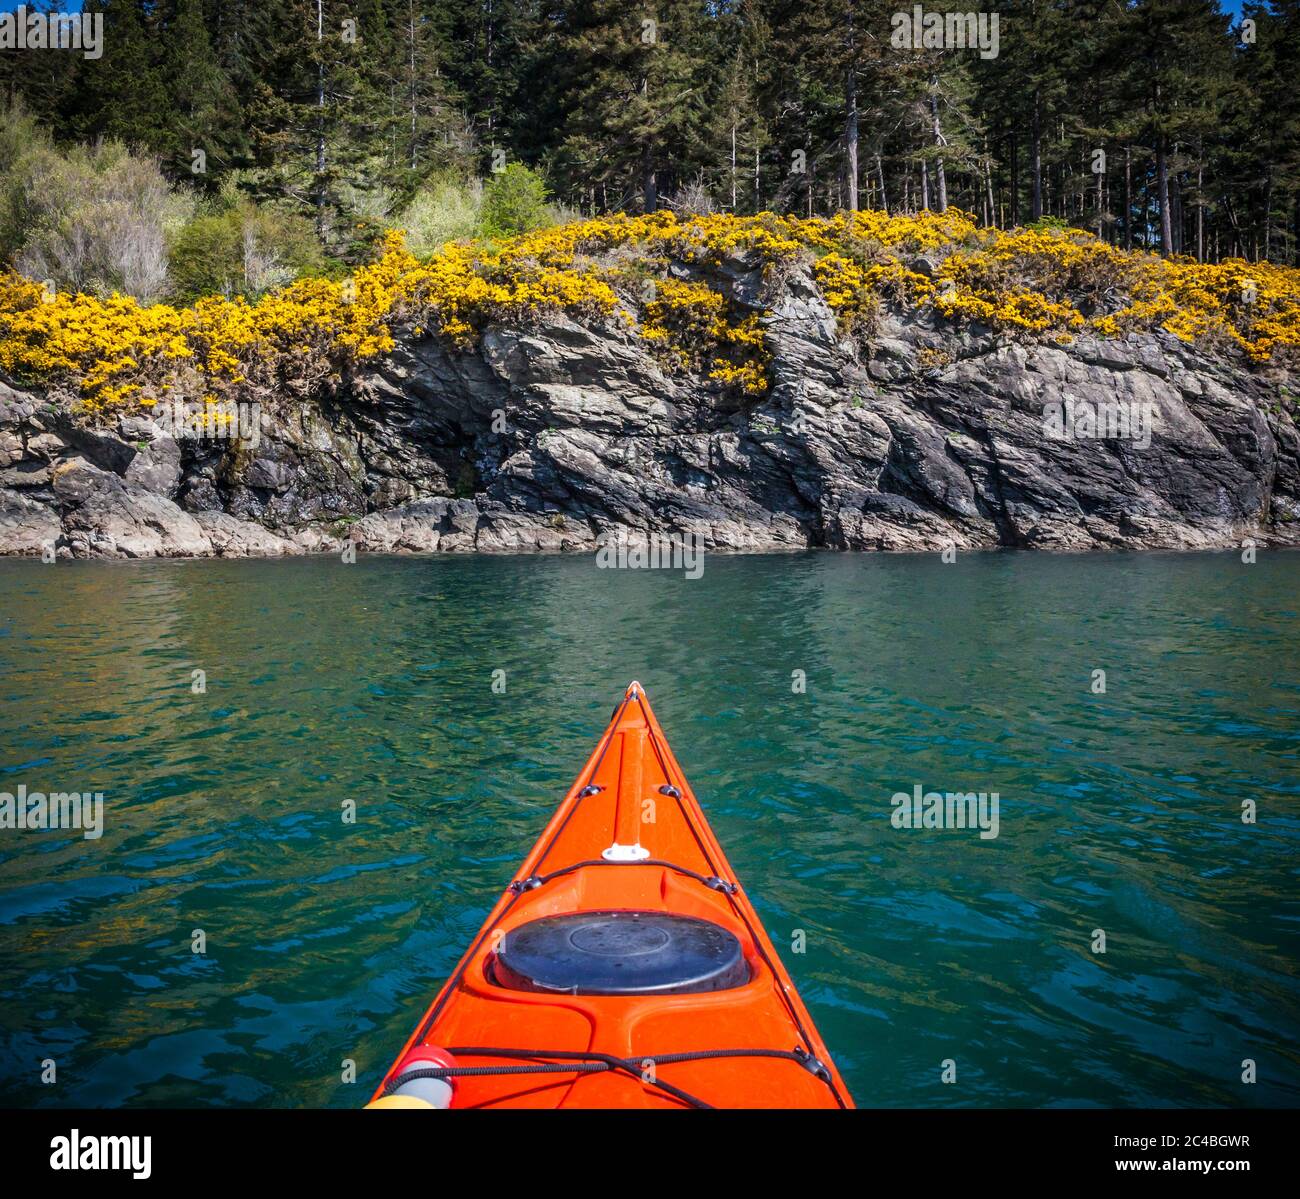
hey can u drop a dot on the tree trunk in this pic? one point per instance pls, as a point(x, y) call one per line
point(649, 187)
point(1268, 215)
point(925, 186)
point(1162, 185)
point(988, 183)
point(1176, 209)
point(414, 106)
point(808, 170)
point(733, 165)
point(1146, 209)
point(941, 183)
point(1015, 179)
point(851, 138)
point(649, 190)
point(1200, 210)
point(320, 126)
point(1128, 197)
point(1036, 160)
point(1101, 198)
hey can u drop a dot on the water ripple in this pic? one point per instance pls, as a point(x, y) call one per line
point(325, 683)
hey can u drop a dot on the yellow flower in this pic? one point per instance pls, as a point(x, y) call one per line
point(1027, 282)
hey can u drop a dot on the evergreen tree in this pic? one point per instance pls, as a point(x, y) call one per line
point(122, 93)
point(204, 112)
point(42, 84)
point(1156, 123)
point(304, 110)
point(634, 115)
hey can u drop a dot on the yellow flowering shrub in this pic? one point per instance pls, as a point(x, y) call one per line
point(116, 353)
point(1044, 282)
point(1253, 305)
point(853, 288)
point(689, 325)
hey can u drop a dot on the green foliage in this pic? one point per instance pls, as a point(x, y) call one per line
point(96, 218)
point(514, 202)
point(122, 94)
point(21, 138)
point(740, 106)
point(444, 209)
point(205, 111)
point(635, 96)
point(242, 248)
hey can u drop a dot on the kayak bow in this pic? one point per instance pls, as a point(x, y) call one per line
point(623, 967)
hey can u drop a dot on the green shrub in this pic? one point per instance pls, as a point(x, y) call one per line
point(444, 209)
point(96, 219)
point(21, 137)
point(242, 248)
point(514, 202)
point(1049, 224)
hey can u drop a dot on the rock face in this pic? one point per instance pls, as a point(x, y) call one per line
point(546, 438)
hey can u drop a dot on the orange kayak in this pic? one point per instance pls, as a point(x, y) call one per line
point(624, 967)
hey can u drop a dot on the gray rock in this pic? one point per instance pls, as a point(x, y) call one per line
point(156, 467)
point(230, 537)
point(104, 516)
point(548, 436)
point(27, 526)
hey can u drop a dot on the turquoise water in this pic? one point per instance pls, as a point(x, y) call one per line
point(373, 682)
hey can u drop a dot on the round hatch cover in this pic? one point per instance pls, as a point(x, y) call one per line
point(620, 953)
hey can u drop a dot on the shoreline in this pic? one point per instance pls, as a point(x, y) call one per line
point(1261, 546)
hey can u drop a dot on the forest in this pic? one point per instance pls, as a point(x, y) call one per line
point(298, 131)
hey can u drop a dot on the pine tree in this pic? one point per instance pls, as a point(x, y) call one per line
point(204, 111)
point(634, 112)
point(304, 114)
point(121, 94)
point(43, 84)
point(747, 103)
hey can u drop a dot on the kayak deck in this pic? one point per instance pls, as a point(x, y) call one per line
point(628, 838)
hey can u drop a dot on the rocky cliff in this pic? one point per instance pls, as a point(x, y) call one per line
point(544, 437)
